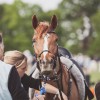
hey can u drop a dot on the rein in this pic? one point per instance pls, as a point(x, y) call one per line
point(56, 77)
point(56, 74)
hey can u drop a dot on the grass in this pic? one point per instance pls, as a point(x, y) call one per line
point(94, 78)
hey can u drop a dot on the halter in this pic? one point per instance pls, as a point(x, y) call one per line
point(55, 78)
point(44, 51)
point(55, 56)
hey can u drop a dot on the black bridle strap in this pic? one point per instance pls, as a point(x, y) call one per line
point(61, 78)
point(44, 51)
point(38, 66)
point(60, 66)
point(69, 82)
point(59, 86)
point(56, 75)
point(69, 85)
point(59, 71)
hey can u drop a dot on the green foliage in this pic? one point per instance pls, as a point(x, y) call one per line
point(95, 76)
point(15, 23)
point(73, 11)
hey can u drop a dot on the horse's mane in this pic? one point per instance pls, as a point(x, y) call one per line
point(42, 28)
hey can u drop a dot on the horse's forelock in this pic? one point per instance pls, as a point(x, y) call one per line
point(42, 28)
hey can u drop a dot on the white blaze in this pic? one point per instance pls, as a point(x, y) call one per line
point(45, 46)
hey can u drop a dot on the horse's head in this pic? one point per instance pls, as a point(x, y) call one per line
point(45, 43)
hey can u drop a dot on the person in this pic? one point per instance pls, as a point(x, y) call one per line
point(10, 85)
point(97, 90)
point(19, 60)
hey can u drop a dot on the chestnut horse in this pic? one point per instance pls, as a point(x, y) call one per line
point(46, 50)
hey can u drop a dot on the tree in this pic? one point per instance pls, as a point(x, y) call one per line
point(16, 25)
point(72, 15)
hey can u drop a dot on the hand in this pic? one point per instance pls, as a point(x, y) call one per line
point(39, 97)
point(63, 95)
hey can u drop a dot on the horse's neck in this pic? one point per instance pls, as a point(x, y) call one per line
point(63, 74)
point(61, 69)
point(64, 78)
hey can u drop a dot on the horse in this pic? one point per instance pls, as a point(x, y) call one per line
point(48, 60)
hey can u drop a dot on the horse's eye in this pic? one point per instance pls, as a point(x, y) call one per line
point(33, 40)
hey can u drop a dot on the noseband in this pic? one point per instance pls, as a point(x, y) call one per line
point(44, 51)
point(54, 59)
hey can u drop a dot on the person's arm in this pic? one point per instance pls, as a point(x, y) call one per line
point(28, 81)
point(34, 83)
point(14, 86)
point(51, 89)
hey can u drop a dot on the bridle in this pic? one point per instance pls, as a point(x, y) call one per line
point(57, 74)
point(54, 58)
point(55, 77)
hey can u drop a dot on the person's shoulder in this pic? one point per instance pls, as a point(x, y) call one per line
point(5, 69)
point(5, 64)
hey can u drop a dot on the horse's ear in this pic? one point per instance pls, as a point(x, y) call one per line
point(34, 21)
point(53, 22)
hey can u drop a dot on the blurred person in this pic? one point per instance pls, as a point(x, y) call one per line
point(29, 57)
point(97, 91)
point(19, 60)
point(10, 85)
point(93, 65)
point(80, 59)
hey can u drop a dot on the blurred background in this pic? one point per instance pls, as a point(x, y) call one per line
point(78, 28)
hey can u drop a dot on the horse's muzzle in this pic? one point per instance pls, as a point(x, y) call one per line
point(46, 72)
point(46, 69)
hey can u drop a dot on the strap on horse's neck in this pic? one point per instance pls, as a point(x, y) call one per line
point(69, 83)
point(60, 70)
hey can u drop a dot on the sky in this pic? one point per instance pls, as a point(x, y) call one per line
point(45, 4)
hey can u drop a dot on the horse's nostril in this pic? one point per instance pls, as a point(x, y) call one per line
point(42, 61)
point(52, 61)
